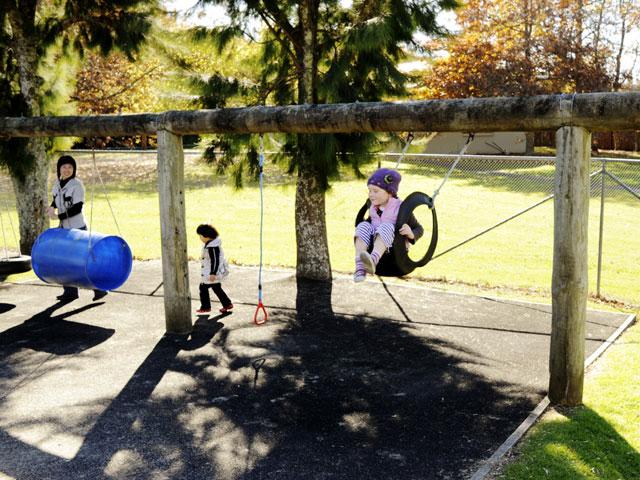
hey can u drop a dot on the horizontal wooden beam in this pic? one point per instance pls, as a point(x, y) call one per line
point(593, 111)
point(80, 126)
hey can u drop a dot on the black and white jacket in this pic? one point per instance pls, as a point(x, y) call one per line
point(68, 198)
point(213, 262)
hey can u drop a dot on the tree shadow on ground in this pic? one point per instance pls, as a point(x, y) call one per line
point(310, 395)
point(114, 430)
point(47, 333)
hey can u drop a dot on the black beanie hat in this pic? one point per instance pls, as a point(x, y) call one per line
point(67, 159)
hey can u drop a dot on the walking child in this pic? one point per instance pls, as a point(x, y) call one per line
point(214, 270)
point(374, 236)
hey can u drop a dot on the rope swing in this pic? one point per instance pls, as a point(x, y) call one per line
point(260, 316)
point(397, 262)
point(12, 264)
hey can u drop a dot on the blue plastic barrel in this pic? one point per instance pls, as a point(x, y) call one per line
point(77, 258)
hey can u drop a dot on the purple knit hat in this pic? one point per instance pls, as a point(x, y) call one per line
point(386, 179)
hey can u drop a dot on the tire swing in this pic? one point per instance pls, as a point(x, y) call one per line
point(82, 258)
point(397, 263)
point(12, 264)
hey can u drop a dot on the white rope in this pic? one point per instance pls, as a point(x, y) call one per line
point(453, 166)
point(104, 190)
point(13, 231)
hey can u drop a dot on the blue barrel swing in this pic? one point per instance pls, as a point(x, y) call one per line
point(81, 259)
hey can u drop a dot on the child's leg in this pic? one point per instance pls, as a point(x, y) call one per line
point(362, 237)
point(205, 301)
point(224, 299)
point(98, 294)
point(379, 246)
point(360, 245)
point(68, 293)
point(362, 240)
point(383, 241)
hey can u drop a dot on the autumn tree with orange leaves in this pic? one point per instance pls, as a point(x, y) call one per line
point(533, 47)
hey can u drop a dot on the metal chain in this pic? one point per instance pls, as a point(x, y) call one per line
point(453, 166)
point(407, 143)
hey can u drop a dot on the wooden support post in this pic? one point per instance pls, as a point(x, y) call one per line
point(175, 268)
point(569, 283)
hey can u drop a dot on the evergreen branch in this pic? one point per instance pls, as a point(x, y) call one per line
point(279, 39)
point(281, 20)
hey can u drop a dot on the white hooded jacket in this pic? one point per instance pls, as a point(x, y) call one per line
point(213, 262)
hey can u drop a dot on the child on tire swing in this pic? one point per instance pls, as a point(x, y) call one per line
point(374, 236)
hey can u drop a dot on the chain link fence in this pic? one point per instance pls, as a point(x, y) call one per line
point(495, 212)
point(491, 192)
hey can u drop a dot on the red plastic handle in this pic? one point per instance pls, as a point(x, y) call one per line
point(263, 320)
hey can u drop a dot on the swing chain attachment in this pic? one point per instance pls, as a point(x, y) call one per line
point(453, 166)
point(407, 143)
point(256, 319)
point(261, 155)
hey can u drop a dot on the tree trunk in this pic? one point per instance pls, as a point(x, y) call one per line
point(31, 191)
point(31, 197)
point(313, 261)
point(617, 81)
point(312, 256)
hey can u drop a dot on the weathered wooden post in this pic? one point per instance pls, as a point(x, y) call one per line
point(175, 267)
point(569, 282)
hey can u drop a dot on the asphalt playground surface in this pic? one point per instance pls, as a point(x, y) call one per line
point(345, 381)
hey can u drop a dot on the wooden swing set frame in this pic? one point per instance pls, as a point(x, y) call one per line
point(573, 117)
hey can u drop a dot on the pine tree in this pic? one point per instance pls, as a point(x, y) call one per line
point(31, 31)
point(324, 52)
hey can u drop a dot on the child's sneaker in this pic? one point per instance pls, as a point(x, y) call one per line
point(369, 261)
point(227, 308)
point(203, 310)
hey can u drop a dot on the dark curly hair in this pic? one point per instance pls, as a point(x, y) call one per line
point(207, 231)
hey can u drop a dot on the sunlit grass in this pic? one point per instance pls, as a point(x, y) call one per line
point(517, 254)
point(600, 440)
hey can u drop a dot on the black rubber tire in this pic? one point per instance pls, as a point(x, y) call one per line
point(17, 264)
point(402, 260)
point(397, 263)
point(362, 212)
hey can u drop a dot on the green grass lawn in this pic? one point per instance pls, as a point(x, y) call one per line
point(600, 440)
point(517, 255)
